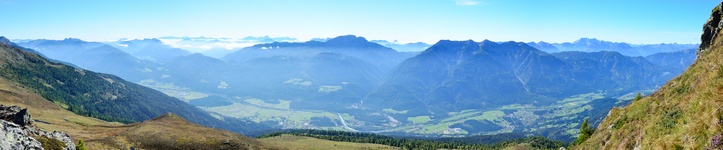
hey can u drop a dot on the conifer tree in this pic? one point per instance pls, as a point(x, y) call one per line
point(638, 97)
point(81, 145)
point(585, 132)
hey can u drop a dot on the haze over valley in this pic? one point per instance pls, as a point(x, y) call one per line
point(473, 75)
point(451, 88)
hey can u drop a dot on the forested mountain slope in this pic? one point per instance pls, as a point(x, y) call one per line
point(99, 95)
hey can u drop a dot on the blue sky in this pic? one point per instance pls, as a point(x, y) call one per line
point(634, 21)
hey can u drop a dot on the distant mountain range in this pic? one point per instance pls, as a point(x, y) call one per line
point(401, 47)
point(150, 49)
point(383, 57)
point(678, 60)
point(98, 95)
point(460, 75)
point(595, 45)
point(219, 47)
point(94, 56)
point(406, 47)
point(380, 87)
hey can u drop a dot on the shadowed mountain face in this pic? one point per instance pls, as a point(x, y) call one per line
point(93, 56)
point(150, 49)
point(612, 71)
point(327, 79)
point(349, 45)
point(100, 95)
point(544, 46)
point(196, 70)
point(459, 75)
point(679, 60)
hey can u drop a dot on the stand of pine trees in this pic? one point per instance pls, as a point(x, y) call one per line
point(410, 143)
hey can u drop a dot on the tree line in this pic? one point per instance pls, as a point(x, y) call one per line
point(536, 142)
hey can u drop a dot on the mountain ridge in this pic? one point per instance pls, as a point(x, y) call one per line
point(95, 94)
point(504, 66)
point(99, 134)
point(94, 56)
point(350, 45)
point(151, 49)
point(299, 82)
point(593, 45)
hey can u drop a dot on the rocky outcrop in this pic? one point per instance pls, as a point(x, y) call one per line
point(13, 136)
point(60, 136)
point(16, 115)
point(711, 29)
point(18, 132)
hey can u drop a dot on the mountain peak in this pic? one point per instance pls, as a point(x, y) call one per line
point(450, 42)
point(5, 41)
point(68, 41)
point(72, 40)
point(169, 117)
point(587, 40)
point(347, 39)
point(452, 46)
point(351, 41)
point(152, 40)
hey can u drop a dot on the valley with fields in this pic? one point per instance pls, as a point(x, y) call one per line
point(454, 74)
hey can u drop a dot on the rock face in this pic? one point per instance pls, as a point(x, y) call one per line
point(18, 132)
point(459, 75)
point(13, 136)
point(711, 28)
point(16, 115)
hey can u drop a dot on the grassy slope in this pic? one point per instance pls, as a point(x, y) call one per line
point(685, 113)
point(167, 131)
point(79, 127)
point(99, 134)
point(100, 95)
point(173, 132)
point(301, 142)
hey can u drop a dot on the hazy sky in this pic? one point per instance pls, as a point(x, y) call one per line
point(634, 21)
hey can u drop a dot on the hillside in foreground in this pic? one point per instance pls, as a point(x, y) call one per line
point(302, 142)
point(28, 78)
point(684, 114)
point(167, 131)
